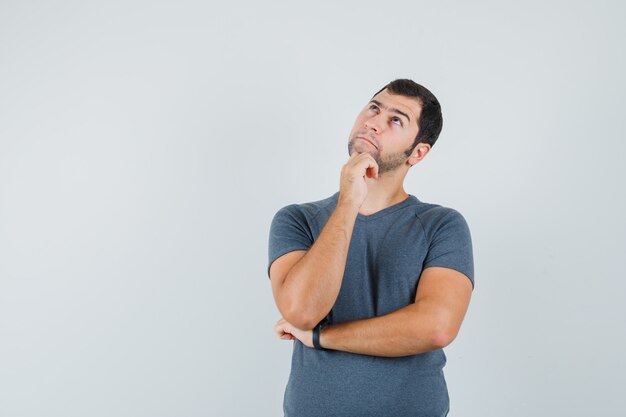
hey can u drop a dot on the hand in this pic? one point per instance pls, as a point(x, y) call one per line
point(352, 186)
point(288, 331)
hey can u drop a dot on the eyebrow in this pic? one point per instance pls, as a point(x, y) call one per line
point(391, 109)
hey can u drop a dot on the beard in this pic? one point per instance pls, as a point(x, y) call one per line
point(386, 163)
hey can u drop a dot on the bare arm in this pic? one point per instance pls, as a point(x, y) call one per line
point(311, 286)
point(305, 285)
point(432, 322)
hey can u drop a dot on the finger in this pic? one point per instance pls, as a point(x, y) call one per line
point(374, 166)
point(279, 329)
point(368, 156)
point(281, 333)
point(365, 156)
point(355, 155)
point(369, 166)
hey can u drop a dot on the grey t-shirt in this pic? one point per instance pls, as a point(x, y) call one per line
point(388, 251)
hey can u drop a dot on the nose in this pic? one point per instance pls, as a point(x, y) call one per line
point(373, 123)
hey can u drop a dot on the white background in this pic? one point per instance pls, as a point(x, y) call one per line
point(145, 147)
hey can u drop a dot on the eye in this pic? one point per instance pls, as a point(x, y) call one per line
point(373, 107)
point(396, 120)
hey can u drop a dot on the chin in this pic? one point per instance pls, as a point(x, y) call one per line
point(358, 146)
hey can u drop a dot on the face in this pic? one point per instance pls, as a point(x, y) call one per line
point(386, 129)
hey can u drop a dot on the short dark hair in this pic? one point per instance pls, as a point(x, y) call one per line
point(430, 121)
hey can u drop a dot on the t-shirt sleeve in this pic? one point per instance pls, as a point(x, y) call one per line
point(451, 246)
point(289, 231)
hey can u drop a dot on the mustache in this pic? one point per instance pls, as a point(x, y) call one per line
point(366, 136)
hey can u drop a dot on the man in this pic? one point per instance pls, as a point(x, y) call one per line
point(345, 272)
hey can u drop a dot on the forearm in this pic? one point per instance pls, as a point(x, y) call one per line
point(312, 285)
point(408, 331)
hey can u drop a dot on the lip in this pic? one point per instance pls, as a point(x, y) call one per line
point(367, 140)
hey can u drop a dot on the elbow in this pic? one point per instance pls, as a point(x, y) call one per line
point(443, 330)
point(440, 340)
point(306, 324)
point(442, 336)
point(301, 321)
point(299, 318)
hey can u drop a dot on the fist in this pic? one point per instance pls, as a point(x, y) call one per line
point(353, 187)
point(287, 331)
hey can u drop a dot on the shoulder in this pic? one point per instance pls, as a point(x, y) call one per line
point(433, 217)
point(309, 210)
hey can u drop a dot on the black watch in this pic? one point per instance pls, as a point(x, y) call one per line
point(316, 334)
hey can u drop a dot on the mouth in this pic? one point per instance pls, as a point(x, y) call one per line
point(367, 140)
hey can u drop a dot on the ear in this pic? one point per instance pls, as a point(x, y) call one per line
point(420, 151)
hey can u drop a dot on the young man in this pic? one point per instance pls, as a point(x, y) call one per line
point(345, 272)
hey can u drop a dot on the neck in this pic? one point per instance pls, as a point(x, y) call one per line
point(384, 192)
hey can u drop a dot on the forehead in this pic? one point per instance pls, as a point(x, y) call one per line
point(408, 105)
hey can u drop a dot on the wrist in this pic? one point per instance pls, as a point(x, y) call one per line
point(317, 335)
point(321, 338)
point(348, 204)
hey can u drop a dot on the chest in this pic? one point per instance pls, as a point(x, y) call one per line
point(382, 269)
